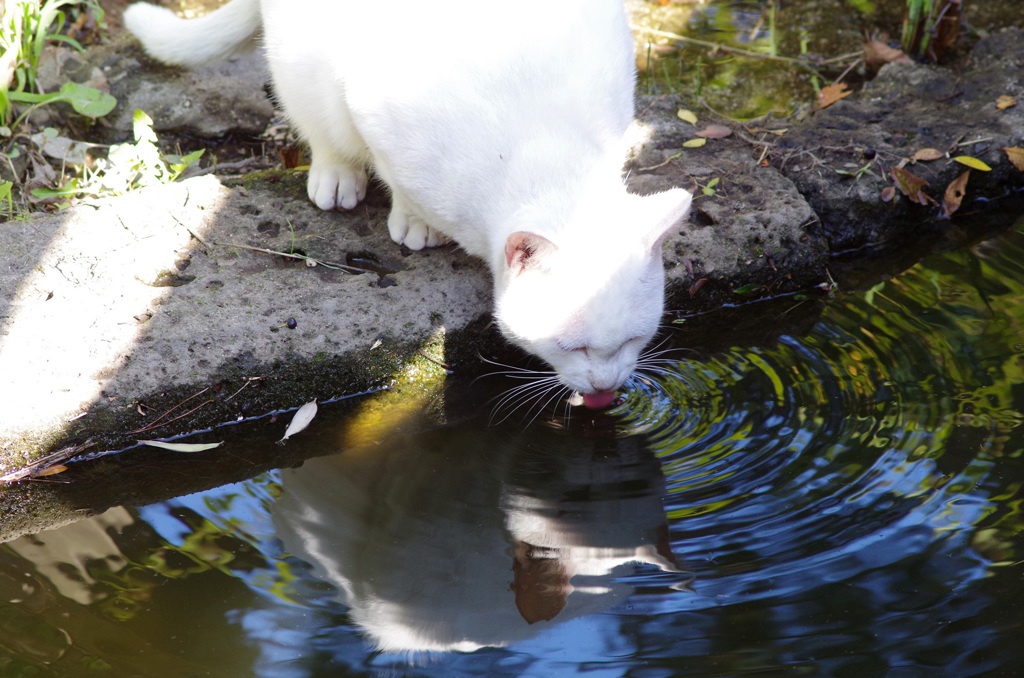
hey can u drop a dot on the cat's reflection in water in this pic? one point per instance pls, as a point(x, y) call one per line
point(456, 540)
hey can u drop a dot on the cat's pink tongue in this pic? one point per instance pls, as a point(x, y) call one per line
point(599, 400)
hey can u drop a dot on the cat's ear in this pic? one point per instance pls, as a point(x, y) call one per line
point(663, 212)
point(525, 251)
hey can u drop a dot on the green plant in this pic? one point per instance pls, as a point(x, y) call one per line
point(930, 26)
point(136, 165)
point(127, 167)
point(5, 197)
point(25, 28)
point(708, 190)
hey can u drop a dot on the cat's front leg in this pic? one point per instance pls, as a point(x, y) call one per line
point(409, 229)
point(335, 183)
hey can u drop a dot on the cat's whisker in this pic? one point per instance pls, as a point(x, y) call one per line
point(556, 392)
point(538, 399)
point(513, 368)
point(513, 371)
point(520, 395)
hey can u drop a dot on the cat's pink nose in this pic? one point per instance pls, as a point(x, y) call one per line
point(599, 400)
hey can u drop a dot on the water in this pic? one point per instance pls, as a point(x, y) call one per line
point(845, 503)
point(787, 36)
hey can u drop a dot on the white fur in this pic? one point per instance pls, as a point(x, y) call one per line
point(192, 43)
point(483, 123)
point(420, 536)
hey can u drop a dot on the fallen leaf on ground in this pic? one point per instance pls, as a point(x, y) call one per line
point(181, 447)
point(1004, 102)
point(714, 132)
point(1016, 156)
point(694, 143)
point(955, 193)
point(911, 185)
point(686, 116)
point(877, 54)
point(291, 157)
point(973, 163)
point(927, 155)
point(301, 420)
point(888, 193)
point(832, 93)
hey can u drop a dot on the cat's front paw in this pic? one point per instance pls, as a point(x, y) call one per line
point(336, 186)
point(410, 230)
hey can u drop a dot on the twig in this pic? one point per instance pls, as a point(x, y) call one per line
point(724, 48)
point(325, 264)
point(248, 380)
point(660, 164)
point(841, 58)
point(196, 236)
point(848, 69)
point(46, 462)
point(224, 166)
point(971, 143)
point(434, 360)
point(154, 424)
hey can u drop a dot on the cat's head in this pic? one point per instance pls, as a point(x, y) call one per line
point(588, 299)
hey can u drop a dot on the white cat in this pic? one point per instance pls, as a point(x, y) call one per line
point(500, 127)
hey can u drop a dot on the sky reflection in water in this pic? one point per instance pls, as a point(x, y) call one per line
point(843, 504)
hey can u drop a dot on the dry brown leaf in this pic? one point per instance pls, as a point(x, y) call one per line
point(878, 54)
point(955, 193)
point(927, 155)
point(51, 470)
point(832, 93)
point(1005, 101)
point(911, 185)
point(888, 193)
point(714, 132)
point(947, 29)
point(1016, 156)
point(291, 156)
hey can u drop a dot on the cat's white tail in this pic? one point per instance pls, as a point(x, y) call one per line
point(193, 42)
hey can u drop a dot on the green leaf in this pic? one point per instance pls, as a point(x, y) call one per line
point(745, 290)
point(178, 167)
point(694, 143)
point(86, 100)
point(687, 116)
point(142, 126)
point(57, 37)
point(70, 189)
